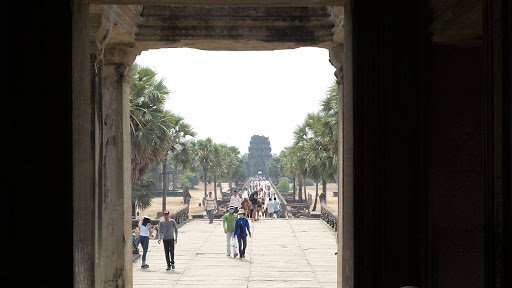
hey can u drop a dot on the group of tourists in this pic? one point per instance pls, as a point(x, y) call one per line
point(236, 227)
point(242, 207)
point(167, 232)
point(261, 203)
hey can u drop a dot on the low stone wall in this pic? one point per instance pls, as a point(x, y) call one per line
point(327, 213)
point(180, 215)
point(284, 204)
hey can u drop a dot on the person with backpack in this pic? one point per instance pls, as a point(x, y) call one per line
point(254, 200)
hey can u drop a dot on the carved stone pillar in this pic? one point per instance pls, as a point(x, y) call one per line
point(84, 156)
point(340, 58)
point(114, 199)
point(111, 58)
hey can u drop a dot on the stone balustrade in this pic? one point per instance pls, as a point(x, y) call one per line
point(329, 215)
point(180, 215)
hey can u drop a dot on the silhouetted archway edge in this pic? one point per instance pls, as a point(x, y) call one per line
point(106, 40)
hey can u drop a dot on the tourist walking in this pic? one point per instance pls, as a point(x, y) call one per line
point(254, 198)
point(228, 222)
point(245, 205)
point(235, 201)
point(210, 205)
point(270, 208)
point(168, 233)
point(242, 229)
point(250, 211)
point(277, 209)
point(145, 229)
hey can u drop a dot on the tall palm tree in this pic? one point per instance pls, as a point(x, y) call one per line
point(218, 164)
point(316, 167)
point(327, 133)
point(240, 171)
point(178, 135)
point(288, 165)
point(142, 194)
point(149, 122)
point(182, 158)
point(328, 130)
point(149, 125)
point(303, 134)
point(203, 150)
point(232, 160)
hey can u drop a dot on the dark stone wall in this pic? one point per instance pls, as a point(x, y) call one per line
point(389, 166)
point(456, 166)
point(419, 155)
point(37, 134)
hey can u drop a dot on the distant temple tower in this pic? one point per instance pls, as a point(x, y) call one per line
point(259, 155)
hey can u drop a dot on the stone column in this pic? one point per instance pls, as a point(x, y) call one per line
point(340, 58)
point(114, 256)
point(84, 158)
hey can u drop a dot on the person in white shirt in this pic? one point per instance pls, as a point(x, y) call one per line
point(276, 207)
point(235, 200)
point(145, 229)
point(210, 206)
point(270, 208)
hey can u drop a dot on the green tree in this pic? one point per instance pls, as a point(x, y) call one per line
point(288, 164)
point(142, 194)
point(283, 185)
point(203, 153)
point(316, 142)
point(180, 150)
point(149, 122)
point(240, 171)
point(188, 178)
point(273, 167)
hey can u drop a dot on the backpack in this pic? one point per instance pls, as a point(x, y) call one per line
point(251, 197)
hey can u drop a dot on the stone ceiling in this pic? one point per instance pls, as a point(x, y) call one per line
point(252, 24)
point(231, 28)
point(234, 28)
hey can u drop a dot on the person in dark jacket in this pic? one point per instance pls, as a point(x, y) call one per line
point(242, 229)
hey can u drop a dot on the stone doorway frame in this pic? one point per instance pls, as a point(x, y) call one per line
point(101, 142)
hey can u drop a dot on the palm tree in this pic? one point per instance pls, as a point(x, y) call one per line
point(232, 163)
point(315, 161)
point(178, 134)
point(203, 150)
point(328, 130)
point(182, 157)
point(240, 171)
point(327, 133)
point(149, 122)
point(303, 134)
point(217, 165)
point(288, 165)
point(316, 142)
point(142, 194)
point(273, 167)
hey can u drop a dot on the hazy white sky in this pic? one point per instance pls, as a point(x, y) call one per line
point(230, 96)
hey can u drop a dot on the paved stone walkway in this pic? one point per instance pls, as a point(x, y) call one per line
point(281, 253)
